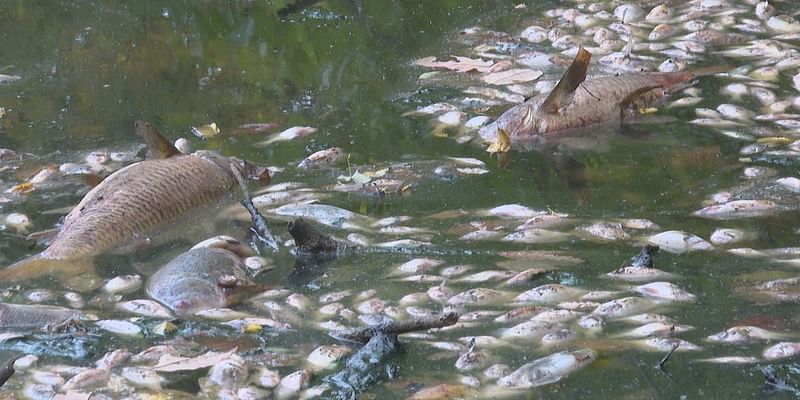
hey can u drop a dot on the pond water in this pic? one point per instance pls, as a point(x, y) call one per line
point(87, 70)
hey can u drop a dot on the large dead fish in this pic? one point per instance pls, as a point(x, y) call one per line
point(201, 278)
point(577, 102)
point(131, 202)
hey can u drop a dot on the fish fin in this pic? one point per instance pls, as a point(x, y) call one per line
point(76, 274)
point(159, 146)
point(43, 237)
point(569, 82)
point(632, 96)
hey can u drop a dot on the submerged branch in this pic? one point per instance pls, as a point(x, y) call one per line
point(398, 327)
point(260, 228)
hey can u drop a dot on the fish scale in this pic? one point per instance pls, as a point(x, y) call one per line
point(136, 199)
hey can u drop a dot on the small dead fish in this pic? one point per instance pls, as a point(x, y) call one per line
point(289, 134)
point(419, 265)
point(639, 274)
point(679, 242)
point(548, 369)
point(530, 330)
point(34, 316)
point(664, 291)
point(145, 308)
point(325, 357)
point(323, 158)
point(124, 284)
point(740, 209)
point(745, 334)
point(734, 360)
point(725, 236)
point(605, 230)
point(624, 307)
point(781, 350)
point(656, 329)
point(550, 293)
point(534, 236)
point(666, 344)
point(478, 297)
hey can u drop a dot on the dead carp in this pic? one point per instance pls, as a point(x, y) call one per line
point(34, 316)
point(199, 279)
point(577, 102)
point(131, 202)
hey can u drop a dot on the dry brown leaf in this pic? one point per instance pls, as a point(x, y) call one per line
point(23, 188)
point(511, 76)
point(502, 144)
point(461, 64)
point(170, 363)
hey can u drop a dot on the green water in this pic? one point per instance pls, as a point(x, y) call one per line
point(89, 69)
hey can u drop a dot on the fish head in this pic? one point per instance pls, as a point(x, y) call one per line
point(243, 167)
point(518, 121)
point(194, 294)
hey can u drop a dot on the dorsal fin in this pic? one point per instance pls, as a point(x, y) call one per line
point(158, 146)
point(569, 82)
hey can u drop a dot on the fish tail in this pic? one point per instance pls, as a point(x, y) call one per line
point(77, 274)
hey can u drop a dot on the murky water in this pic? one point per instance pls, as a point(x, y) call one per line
point(88, 70)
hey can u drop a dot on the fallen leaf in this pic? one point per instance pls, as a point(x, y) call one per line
point(206, 132)
point(518, 75)
point(461, 64)
point(502, 144)
point(23, 188)
point(170, 363)
point(253, 328)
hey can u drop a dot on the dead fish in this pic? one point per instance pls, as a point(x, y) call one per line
point(478, 296)
point(548, 369)
point(624, 307)
point(781, 350)
point(535, 235)
point(664, 291)
point(530, 330)
point(34, 316)
point(199, 279)
point(656, 329)
point(550, 293)
point(745, 334)
point(605, 231)
point(729, 360)
point(740, 209)
point(679, 242)
point(665, 344)
point(576, 102)
point(322, 158)
point(129, 203)
point(724, 236)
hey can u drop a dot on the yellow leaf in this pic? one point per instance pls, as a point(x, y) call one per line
point(24, 187)
point(206, 131)
point(165, 328)
point(502, 144)
point(649, 110)
point(253, 328)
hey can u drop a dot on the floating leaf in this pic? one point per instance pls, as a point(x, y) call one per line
point(252, 328)
point(206, 132)
point(518, 75)
point(170, 363)
point(502, 144)
point(165, 328)
point(461, 64)
point(357, 177)
point(23, 188)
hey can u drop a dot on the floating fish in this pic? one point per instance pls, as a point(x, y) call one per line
point(781, 350)
point(548, 369)
point(130, 203)
point(576, 102)
point(745, 334)
point(199, 279)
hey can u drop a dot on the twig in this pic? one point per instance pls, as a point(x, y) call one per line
point(260, 228)
point(666, 357)
point(398, 327)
